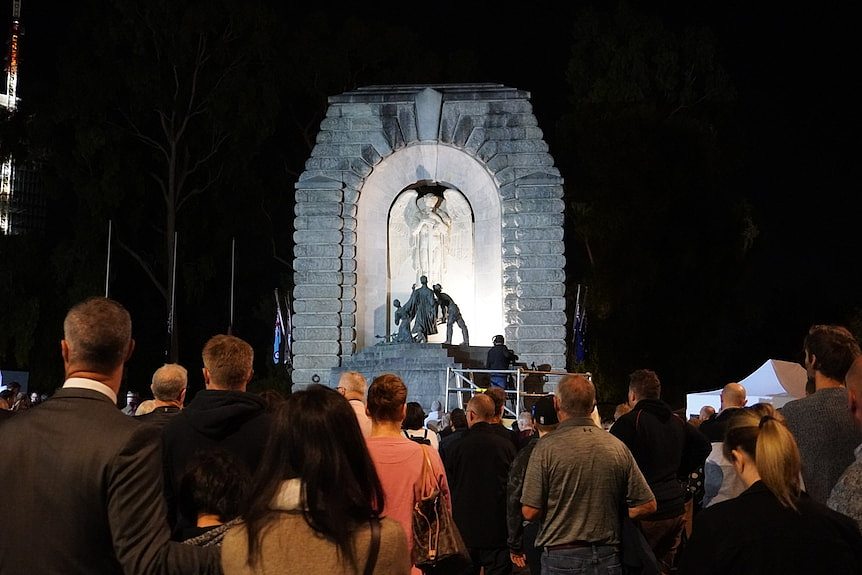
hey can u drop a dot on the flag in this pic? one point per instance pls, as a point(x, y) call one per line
point(288, 334)
point(580, 330)
point(278, 336)
point(581, 338)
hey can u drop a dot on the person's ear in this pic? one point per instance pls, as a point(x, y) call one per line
point(64, 350)
point(853, 403)
point(130, 350)
point(737, 460)
point(206, 374)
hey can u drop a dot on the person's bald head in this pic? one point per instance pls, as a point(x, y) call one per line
point(576, 396)
point(480, 408)
point(854, 389)
point(169, 383)
point(733, 395)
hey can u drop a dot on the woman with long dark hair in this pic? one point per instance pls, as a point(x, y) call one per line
point(772, 526)
point(314, 498)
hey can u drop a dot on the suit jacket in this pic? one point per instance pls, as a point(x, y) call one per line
point(88, 493)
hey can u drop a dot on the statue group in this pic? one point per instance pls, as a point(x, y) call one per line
point(418, 318)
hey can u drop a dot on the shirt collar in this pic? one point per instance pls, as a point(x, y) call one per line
point(578, 421)
point(84, 383)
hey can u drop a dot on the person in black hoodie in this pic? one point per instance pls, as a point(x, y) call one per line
point(223, 416)
point(666, 449)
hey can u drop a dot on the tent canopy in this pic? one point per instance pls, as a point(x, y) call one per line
point(775, 382)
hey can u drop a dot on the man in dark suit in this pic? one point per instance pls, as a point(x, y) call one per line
point(93, 500)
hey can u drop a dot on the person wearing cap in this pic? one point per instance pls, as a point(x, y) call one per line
point(522, 534)
point(578, 480)
point(500, 357)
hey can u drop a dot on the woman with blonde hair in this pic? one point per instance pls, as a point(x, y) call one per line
point(772, 526)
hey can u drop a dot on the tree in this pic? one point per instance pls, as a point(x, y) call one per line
point(181, 119)
point(650, 149)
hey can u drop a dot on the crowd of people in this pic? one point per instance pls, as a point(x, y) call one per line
point(326, 480)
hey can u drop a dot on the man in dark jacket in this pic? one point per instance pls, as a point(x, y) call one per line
point(477, 467)
point(222, 416)
point(666, 449)
point(500, 357)
point(733, 399)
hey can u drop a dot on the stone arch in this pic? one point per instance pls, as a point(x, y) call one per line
point(450, 166)
point(481, 139)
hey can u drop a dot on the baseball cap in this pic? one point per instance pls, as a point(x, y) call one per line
point(544, 412)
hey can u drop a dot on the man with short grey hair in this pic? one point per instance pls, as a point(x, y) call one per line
point(94, 486)
point(169, 393)
point(477, 467)
point(353, 387)
point(578, 479)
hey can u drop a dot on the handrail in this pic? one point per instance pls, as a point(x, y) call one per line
point(458, 375)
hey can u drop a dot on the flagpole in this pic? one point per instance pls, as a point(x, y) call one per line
point(169, 350)
point(108, 269)
point(232, 280)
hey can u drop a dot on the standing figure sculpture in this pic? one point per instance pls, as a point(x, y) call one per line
point(451, 314)
point(423, 304)
point(429, 227)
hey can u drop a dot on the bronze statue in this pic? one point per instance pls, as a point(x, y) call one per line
point(451, 314)
point(423, 302)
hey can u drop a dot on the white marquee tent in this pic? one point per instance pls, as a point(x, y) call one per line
point(775, 382)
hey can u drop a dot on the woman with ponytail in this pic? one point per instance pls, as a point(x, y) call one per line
point(772, 526)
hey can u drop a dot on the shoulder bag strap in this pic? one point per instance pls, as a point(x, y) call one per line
point(374, 547)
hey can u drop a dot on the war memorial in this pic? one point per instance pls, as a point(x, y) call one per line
point(412, 191)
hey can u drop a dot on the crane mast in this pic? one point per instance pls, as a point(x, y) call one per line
point(7, 170)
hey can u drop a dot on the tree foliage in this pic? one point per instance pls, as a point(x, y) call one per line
point(650, 153)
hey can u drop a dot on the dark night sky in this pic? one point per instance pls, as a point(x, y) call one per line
point(797, 84)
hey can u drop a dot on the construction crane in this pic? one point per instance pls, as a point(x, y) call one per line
point(7, 170)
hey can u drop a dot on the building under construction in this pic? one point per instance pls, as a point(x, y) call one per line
point(22, 202)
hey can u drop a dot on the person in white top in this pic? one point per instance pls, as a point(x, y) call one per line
point(352, 386)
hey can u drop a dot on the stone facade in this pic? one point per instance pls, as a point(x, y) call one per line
point(482, 140)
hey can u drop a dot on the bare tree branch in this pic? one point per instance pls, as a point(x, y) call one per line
point(145, 267)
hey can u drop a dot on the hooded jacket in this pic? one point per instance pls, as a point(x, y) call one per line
point(666, 449)
point(233, 421)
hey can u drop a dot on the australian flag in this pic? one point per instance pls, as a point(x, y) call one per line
point(581, 337)
point(580, 329)
point(278, 337)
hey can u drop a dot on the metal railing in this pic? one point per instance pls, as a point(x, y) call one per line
point(460, 381)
